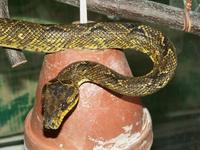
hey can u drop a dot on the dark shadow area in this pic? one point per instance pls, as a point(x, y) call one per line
point(161, 1)
point(139, 62)
point(48, 11)
point(51, 133)
point(15, 77)
point(175, 109)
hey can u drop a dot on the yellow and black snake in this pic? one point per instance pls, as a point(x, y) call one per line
point(60, 95)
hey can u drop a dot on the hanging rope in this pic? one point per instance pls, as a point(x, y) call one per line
point(187, 20)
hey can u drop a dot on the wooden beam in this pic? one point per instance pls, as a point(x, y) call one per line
point(144, 11)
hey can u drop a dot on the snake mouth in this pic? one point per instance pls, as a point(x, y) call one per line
point(50, 124)
point(55, 120)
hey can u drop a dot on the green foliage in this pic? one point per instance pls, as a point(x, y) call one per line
point(14, 113)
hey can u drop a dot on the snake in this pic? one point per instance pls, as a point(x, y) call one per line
point(61, 94)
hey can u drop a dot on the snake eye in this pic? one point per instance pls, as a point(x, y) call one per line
point(64, 106)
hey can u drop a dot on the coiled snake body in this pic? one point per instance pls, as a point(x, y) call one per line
point(60, 95)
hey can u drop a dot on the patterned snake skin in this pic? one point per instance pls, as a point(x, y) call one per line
point(60, 95)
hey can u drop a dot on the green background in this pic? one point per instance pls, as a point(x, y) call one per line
point(175, 110)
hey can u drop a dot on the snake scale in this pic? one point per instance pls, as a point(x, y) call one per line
point(60, 95)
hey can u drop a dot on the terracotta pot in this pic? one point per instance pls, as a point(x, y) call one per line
point(101, 119)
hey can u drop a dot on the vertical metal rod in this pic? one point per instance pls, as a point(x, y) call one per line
point(83, 11)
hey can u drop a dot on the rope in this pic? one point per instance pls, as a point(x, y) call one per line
point(187, 21)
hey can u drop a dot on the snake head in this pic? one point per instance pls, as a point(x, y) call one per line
point(58, 99)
